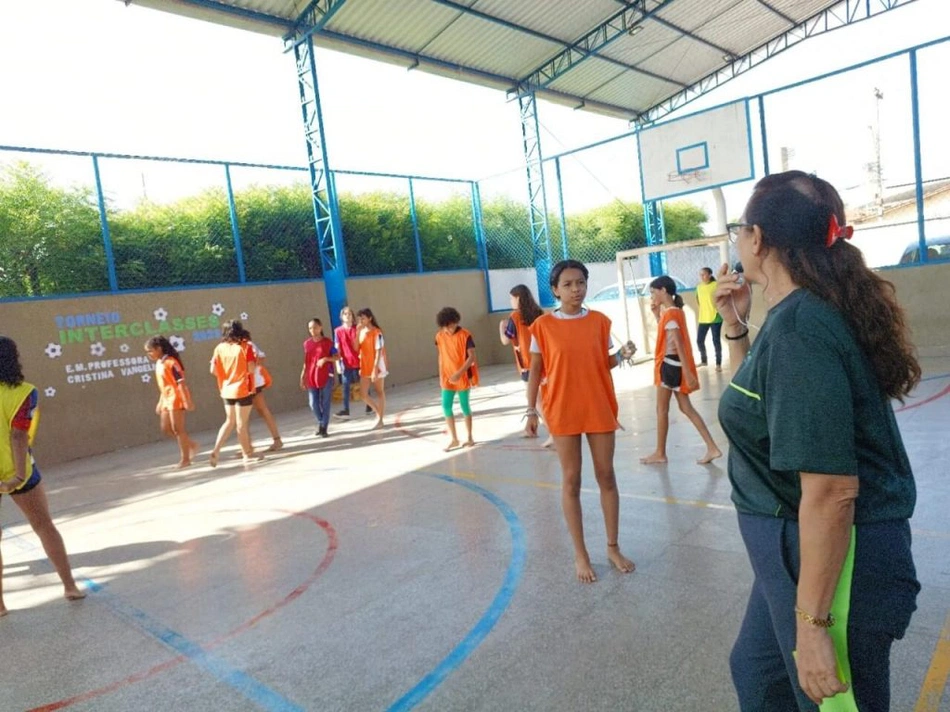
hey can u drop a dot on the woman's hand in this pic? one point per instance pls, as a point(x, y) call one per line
point(691, 381)
point(158, 408)
point(817, 666)
point(733, 299)
point(455, 378)
point(531, 426)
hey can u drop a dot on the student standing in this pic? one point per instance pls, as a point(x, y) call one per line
point(347, 346)
point(710, 321)
point(571, 346)
point(316, 377)
point(458, 371)
point(374, 366)
point(174, 397)
point(233, 364)
point(262, 380)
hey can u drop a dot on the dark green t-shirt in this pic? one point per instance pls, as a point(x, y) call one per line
point(805, 399)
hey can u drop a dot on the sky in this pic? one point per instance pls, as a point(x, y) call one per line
point(97, 75)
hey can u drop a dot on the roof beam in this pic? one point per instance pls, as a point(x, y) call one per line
point(313, 19)
point(460, 72)
point(684, 32)
point(778, 12)
point(842, 14)
point(232, 11)
point(521, 28)
point(620, 24)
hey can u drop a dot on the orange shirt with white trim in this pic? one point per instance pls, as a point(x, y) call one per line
point(453, 352)
point(578, 396)
point(674, 315)
point(230, 365)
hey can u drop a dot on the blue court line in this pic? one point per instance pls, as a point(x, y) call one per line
point(239, 680)
point(491, 616)
point(934, 378)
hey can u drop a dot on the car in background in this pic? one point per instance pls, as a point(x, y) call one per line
point(938, 248)
point(607, 301)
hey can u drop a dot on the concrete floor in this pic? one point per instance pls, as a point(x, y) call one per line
point(371, 571)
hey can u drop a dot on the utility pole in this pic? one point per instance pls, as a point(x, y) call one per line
point(876, 170)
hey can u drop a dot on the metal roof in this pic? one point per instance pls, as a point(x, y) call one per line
point(635, 59)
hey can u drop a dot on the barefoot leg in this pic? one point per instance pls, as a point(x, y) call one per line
point(230, 419)
point(467, 412)
point(663, 397)
point(569, 453)
point(35, 508)
point(243, 429)
point(260, 405)
point(453, 434)
point(184, 442)
point(602, 453)
point(686, 407)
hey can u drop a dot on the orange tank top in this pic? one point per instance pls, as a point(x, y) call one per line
point(579, 394)
point(677, 315)
point(453, 352)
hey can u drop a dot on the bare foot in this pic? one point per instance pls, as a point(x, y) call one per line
point(549, 442)
point(213, 459)
point(469, 443)
point(253, 457)
point(182, 464)
point(657, 458)
point(379, 425)
point(585, 574)
point(710, 455)
point(620, 562)
point(192, 450)
point(451, 446)
point(276, 445)
point(3, 612)
point(74, 594)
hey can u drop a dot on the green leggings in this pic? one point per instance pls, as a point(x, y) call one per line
point(448, 398)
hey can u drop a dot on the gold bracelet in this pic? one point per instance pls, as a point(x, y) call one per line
point(817, 622)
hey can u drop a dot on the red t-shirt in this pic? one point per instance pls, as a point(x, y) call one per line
point(345, 337)
point(317, 376)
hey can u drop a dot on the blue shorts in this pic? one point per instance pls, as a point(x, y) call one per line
point(31, 483)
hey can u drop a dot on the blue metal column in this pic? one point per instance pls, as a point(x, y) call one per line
point(560, 205)
point(323, 188)
point(765, 138)
point(235, 230)
point(480, 247)
point(104, 223)
point(656, 235)
point(537, 201)
point(415, 226)
point(918, 164)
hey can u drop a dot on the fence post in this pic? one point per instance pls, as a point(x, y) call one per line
point(480, 247)
point(104, 222)
point(415, 226)
point(235, 230)
point(560, 203)
point(918, 167)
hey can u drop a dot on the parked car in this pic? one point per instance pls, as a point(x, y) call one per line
point(938, 248)
point(607, 301)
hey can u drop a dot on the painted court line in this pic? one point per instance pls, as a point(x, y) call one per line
point(237, 679)
point(936, 679)
point(491, 616)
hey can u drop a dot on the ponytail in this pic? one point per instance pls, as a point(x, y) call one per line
point(677, 301)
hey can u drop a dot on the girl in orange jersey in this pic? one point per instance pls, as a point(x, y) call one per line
point(572, 347)
point(674, 370)
point(374, 366)
point(233, 364)
point(516, 330)
point(174, 398)
point(458, 370)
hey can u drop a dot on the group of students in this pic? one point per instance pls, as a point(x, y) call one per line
point(238, 367)
point(822, 484)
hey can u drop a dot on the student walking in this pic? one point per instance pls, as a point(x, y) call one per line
point(458, 371)
point(374, 366)
point(710, 321)
point(233, 364)
point(316, 378)
point(347, 346)
point(174, 396)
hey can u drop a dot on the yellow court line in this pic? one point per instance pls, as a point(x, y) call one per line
point(557, 485)
point(936, 679)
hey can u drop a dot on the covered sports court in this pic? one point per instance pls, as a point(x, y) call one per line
point(372, 571)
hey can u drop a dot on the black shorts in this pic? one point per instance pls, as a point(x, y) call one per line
point(246, 400)
point(258, 390)
point(31, 483)
point(525, 375)
point(671, 373)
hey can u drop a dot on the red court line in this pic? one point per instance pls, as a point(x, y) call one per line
point(328, 556)
point(925, 401)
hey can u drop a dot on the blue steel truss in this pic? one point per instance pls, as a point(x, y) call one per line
point(842, 14)
point(313, 19)
point(618, 25)
point(656, 235)
point(537, 200)
point(325, 206)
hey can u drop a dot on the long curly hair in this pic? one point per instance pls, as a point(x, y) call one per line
point(794, 210)
point(527, 305)
point(166, 347)
point(11, 372)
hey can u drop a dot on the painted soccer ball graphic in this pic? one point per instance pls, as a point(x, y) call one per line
point(97, 349)
point(244, 316)
point(160, 314)
point(124, 348)
point(50, 392)
point(217, 309)
point(54, 350)
point(177, 342)
point(146, 378)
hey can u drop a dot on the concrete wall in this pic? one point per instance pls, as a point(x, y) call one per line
point(96, 390)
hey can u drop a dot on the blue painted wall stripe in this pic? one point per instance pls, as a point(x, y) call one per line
point(491, 616)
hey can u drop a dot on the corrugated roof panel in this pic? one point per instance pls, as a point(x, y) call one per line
point(586, 77)
point(685, 61)
point(278, 8)
point(637, 91)
point(743, 28)
point(633, 49)
point(690, 15)
point(473, 42)
point(407, 24)
point(565, 19)
point(800, 10)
